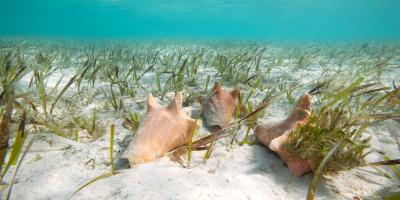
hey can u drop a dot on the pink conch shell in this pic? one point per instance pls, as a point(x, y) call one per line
point(219, 109)
point(164, 129)
point(275, 137)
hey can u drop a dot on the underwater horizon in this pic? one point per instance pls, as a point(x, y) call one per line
point(276, 20)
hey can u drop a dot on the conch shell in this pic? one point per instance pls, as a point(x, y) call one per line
point(275, 137)
point(163, 129)
point(218, 109)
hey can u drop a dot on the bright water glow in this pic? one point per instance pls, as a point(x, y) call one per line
point(293, 20)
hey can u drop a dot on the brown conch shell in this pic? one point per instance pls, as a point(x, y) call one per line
point(163, 129)
point(275, 137)
point(219, 109)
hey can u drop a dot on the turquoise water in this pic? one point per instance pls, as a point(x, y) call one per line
point(288, 20)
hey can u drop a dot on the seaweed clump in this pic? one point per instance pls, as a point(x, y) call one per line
point(323, 132)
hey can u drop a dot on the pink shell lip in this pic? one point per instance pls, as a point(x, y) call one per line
point(164, 128)
point(218, 110)
point(275, 137)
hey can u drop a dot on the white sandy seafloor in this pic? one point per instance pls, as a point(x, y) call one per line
point(55, 167)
